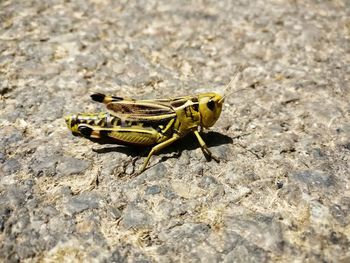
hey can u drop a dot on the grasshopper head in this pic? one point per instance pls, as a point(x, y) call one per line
point(210, 106)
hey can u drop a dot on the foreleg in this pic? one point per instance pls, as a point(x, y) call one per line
point(204, 147)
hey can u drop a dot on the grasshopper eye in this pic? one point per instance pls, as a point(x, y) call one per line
point(211, 105)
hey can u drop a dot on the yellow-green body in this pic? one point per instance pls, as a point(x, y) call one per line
point(148, 122)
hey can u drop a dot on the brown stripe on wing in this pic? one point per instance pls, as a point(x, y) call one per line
point(139, 107)
point(169, 100)
point(145, 118)
point(172, 102)
point(182, 101)
point(140, 110)
point(178, 103)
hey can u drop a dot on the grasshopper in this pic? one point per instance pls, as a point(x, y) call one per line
point(156, 123)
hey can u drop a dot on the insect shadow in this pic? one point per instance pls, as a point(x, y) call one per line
point(189, 142)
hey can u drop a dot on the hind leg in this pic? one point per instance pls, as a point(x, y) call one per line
point(157, 148)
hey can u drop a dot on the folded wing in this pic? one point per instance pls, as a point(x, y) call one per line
point(136, 110)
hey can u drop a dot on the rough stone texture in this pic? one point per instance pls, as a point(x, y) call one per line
point(281, 191)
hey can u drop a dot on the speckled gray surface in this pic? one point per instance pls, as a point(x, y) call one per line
point(281, 190)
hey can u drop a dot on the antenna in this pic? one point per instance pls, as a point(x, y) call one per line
point(234, 80)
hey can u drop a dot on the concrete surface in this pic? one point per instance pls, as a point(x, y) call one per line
point(281, 190)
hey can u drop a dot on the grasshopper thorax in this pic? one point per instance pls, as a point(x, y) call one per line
point(210, 106)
